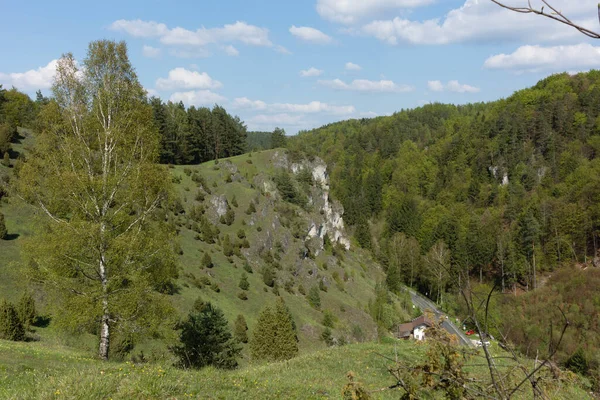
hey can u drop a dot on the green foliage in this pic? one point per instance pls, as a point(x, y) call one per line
point(251, 208)
point(274, 337)
point(3, 231)
point(205, 339)
point(11, 327)
point(578, 362)
point(314, 298)
point(247, 267)
point(240, 329)
point(327, 337)
point(244, 284)
point(227, 246)
point(287, 188)
point(268, 276)
point(328, 319)
point(278, 138)
point(105, 258)
point(6, 159)
point(26, 309)
point(207, 261)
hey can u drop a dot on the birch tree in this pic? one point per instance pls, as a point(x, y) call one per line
point(102, 247)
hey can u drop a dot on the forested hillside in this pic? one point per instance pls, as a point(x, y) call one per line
point(500, 192)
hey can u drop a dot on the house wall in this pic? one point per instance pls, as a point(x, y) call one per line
point(419, 332)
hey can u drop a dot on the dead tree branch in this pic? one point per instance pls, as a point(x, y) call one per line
point(553, 14)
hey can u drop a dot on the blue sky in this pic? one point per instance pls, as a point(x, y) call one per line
point(301, 64)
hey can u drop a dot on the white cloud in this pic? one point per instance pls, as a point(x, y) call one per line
point(480, 21)
point(229, 33)
point(181, 78)
point(435, 86)
point(364, 85)
point(282, 50)
point(276, 119)
point(451, 86)
point(349, 11)
point(244, 102)
point(538, 58)
point(139, 28)
point(151, 92)
point(313, 107)
point(198, 52)
point(197, 97)
point(150, 52)
point(309, 34)
point(231, 51)
point(350, 66)
point(40, 78)
point(312, 71)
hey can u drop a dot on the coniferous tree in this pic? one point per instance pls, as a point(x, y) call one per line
point(207, 340)
point(26, 310)
point(274, 338)
point(207, 260)
point(6, 159)
point(244, 284)
point(240, 329)
point(11, 327)
point(278, 138)
point(314, 298)
point(3, 231)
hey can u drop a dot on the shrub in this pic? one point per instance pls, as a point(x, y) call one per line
point(207, 261)
point(241, 234)
point(240, 329)
point(11, 327)
point(247, 267)
point(242, 296)
point(6, 160)
point(301, 290)
point(234, 201)
point(328, 319)
point(244, 284)
point(205, 340)
point(215, 287)
point(26, 310)
point(251, 208)
point(274, 337)
point(314, 298)
point(268, 276)
point(3, 231)
point(327, 337)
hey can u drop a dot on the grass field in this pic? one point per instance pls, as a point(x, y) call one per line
point(44, 371)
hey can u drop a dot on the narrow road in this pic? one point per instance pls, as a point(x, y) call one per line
point(425, 304)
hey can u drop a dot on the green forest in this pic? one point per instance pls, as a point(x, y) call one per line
point(504, 193)
point(172, 239)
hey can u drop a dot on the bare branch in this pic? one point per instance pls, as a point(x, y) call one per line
point(555, 15)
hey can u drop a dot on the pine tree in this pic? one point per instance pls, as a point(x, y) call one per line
point(3, 231)
point(207, 261)
point(6, 159)
point(314, 298)
point(26, 310)
point(274, 337)
point(240, 329)
point(207, 340)
point(244, 284)
point(263, 337)
point(11, 327)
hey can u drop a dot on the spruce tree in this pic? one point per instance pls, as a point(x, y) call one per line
point(244, 284)
point(6, 159)
point(207, 261)
point(274, 337)
point(26, 310)
point(3, 231)
point(263, 336)
point(240, 329)
point(11, 327)
point(207, 340)
point(314, 298)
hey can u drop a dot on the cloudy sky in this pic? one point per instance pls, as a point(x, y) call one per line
point(300, 64)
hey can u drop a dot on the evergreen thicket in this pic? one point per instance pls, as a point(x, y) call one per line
point(196, 135)
point(11, 327)
point(206, 339)
point(274, 337)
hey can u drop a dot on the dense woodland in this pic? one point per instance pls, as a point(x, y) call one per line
point(500, 192)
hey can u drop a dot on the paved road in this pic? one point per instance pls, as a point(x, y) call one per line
point(425, 304)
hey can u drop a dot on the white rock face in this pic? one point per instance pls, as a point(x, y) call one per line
point(332, 223)
point(505, 179)
point(219, 204)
